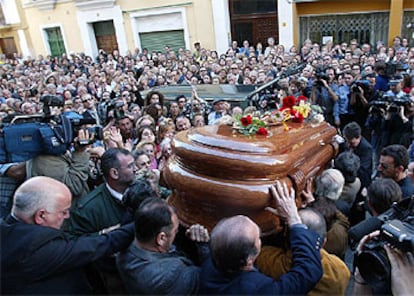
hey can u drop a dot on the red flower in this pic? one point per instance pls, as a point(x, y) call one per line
point(262, 131)
point(298, 117)
point(245, 121)
point(288, 102)
point(302, 98)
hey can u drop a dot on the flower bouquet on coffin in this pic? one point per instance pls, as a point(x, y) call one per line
point(299, 110)
point(250, 125)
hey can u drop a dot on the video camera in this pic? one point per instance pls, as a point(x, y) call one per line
point(117, 109)
point(364, 84)
point(397, 229)
point(320, 75)
point(389, 103)
point(23, 137)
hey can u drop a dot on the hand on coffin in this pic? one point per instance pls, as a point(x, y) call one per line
point(285, 203)
point(307, 195)
point(198, 233)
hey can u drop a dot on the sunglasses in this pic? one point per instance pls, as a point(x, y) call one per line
point(87, 100)
point(384, 166)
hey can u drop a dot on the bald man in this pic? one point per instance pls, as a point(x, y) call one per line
point(36, 256)
point(235, 244)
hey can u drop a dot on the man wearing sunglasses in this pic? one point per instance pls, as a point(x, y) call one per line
point(393, 164)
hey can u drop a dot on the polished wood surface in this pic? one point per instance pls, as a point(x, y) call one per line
point(217, 172)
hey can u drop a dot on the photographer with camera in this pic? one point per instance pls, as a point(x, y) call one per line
point(373, 271)
point(393, 274)
point(325, 92)
point(71, 168)
point(398, 122)
point(363, 92)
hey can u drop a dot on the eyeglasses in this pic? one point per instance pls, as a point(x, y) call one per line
point(384, 166)
point(87, 100)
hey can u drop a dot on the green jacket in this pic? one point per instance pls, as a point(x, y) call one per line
point(70, 169)
point(94, 212)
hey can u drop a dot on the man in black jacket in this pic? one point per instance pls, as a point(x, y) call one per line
point(36, 256)
point(361, 147)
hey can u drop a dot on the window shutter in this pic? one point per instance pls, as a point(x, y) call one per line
point(158, 40)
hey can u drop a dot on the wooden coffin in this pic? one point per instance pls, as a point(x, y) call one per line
point(217, 172)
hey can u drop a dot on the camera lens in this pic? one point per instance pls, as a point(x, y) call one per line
point(374, 265)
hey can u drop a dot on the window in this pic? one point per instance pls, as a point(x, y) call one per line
point(367, 27)
point(256, 6)
point(158, 40)
point(408, 27)
point(55, 41)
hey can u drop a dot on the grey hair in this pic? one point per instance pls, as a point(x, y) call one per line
point(27, 202)
point(330, 184)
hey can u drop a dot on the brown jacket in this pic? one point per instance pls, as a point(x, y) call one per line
point(275, 262)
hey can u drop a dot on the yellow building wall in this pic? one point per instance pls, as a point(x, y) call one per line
point(346, 6)
point(64, 15)
point(199, 18)
point(11, 31)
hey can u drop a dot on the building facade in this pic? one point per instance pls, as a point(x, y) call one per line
point(58, 26)
point(13, 38)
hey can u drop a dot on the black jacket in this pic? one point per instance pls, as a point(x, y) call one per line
point(43, 260)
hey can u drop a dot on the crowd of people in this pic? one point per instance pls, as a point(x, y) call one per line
point(70, 213)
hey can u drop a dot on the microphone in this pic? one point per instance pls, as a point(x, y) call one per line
point(357, 232)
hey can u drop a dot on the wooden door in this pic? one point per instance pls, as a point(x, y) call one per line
point(8, 46)
point(254, 20)
point(105, 36)
point(108, 43)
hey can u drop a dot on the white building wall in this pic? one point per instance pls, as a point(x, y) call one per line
point(86, 18)
point(221, 19)
point(159, 19)
point(285, 17)
point(45, 37)
point(10, 11)
point(23, 44)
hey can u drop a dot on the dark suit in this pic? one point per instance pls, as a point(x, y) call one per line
point(43, 260)
point(306, 271)
point(364, 151)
